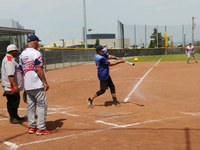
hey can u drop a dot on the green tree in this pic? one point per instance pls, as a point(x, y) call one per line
point(197, 43)
point(54, 45)
point(96, 43)
point(82, 45)
point(156, 39)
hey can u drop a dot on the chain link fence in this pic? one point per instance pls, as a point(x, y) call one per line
point(140, 35)
point(60, 58)
point(54, 59)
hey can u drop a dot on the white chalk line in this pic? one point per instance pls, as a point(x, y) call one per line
point(50, 111)
point(57, 110)
point(3, 119)
point(140, 81)
point(134, 124)
point(14, 146)
point(191, 113)
point(51, 108)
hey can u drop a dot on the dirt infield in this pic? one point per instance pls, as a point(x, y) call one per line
point(160, 110)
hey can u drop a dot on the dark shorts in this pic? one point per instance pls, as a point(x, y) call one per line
point(107, 83)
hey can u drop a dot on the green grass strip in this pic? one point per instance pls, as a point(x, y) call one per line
point(170, 57)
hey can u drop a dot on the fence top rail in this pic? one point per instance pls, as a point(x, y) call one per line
point(64, 48)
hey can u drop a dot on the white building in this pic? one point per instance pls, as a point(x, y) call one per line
point(108, 40)
point(12, 32)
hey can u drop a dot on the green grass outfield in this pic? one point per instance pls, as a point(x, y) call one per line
point(171, 57)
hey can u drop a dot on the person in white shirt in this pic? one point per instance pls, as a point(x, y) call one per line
point(190, 51)
point(11, 83)
point(35, 85)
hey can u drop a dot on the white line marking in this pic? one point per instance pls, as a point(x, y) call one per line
point(191, 113)
point(3, 119)
point(54, 139)
point(12, 146)
point(54, 111)
point(140, 81)
point(21, 109)
point(67, 108)
point(133, 124)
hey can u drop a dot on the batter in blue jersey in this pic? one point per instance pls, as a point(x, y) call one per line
point(102, 63)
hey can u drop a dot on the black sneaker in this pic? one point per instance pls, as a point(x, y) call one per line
point(22, 119)
point(116, 103)
point(15, 121)
point(90, 103)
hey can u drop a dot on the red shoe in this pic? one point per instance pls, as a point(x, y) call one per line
point(31, 130)
point(43, 132)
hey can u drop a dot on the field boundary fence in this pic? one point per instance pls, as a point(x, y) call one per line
point(139, 36)
point(61, 58)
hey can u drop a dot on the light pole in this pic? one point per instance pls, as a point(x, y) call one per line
point(171, 41)
point(193, 27)
point(113, 44)
point(184, 39)
point(157, 36)
point(85, 24)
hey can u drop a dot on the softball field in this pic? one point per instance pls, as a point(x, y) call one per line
point(160, 110)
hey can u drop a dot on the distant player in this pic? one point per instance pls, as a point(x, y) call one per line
point(190, 51)
point(102, 63)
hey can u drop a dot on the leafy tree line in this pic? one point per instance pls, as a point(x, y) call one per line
point(157, 40)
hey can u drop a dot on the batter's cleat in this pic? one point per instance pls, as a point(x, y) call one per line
point(43, 132)
point(116, 103)
point(31, 130)
point(90, 101)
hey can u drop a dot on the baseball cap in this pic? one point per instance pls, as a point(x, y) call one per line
point(32, 38)
point(99, 48)
point(11, 47)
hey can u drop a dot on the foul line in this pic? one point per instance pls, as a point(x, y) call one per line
point(133, 124)
point(140, 81)
point(191, 113)
point(53, 111)
point(14, 146)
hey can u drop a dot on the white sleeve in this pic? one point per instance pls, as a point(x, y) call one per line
point(10, 68)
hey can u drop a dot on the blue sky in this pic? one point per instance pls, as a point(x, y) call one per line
point(63, 19)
